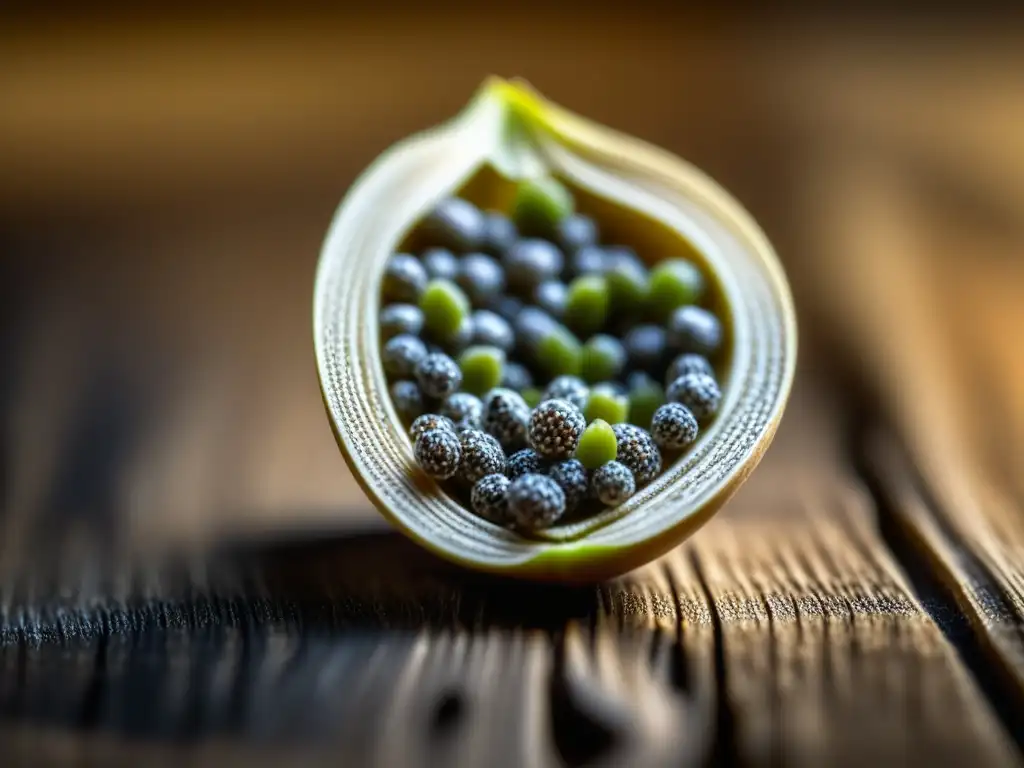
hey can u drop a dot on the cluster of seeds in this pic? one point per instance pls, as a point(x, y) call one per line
point(544, 373)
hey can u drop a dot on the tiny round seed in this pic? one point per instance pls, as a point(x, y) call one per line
point(481, 368)
point(604, 358)
point(481, 277)
point(445, 308)
point(627, 286)
point(613, 483)
point(645, 347)
point(571, 477)
point(587, 303)
point(456, 224)
point(575, 232)
point(555, 429)
point(674, 283)
point(427, 422)
point(698, 392)
point(607, 404)
point(535, 502)
point(490, 498)
point(531, 325)
point(492, 330)
point(499, 234)
point(597, 445)
point(525, 462)
point(404, 278)
point(438, 375)
point(516, 376)
point(638, 451)
point(571, 388)
point(463, 410)
point(481, 456)
point(530, 262)
point(396, 319)
point(440, 263)
point(645, 395)
point(589, 260)
point(688, 363)
point(560, 353)
point(506, 417)
point(540, 204)
point(694, 329)
point(408, 399)
point(673, 426)
point(401, 355)
point(438, 452)
point(551, 297)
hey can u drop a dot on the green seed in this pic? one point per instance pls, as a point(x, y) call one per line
point(482, 368)
point(539, 206)
point(560, 353)
point(445, 307)
point(586, 304)
point(605, 404)
point(532, 396)
point(604, 357)
point(597, 445)
point(645, 396)
point(674, 283)
point(628, 288)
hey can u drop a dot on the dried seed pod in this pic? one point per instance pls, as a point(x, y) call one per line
point(644, 198)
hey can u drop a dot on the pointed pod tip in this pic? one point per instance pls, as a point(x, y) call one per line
point(513, 93)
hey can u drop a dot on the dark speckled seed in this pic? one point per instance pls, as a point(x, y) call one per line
point(571, 477)
point(440, 263)
point(456, 224)
point(535, 502)
point(499, 234)
point(404, 279)
point(551, 297)
point(490, 499)
point(439, 453)
point(673, 427)
point(438, 375)
point(400, 318)
point(464, 410)
point(645, 347)
point(525, 462)
point(694, 329)
point(555, 429)
point(408, 399)
point(481, 456)
point(688, 363)
point(481, 277)
point(530, 262)
point(638, 451)
point(571, 388)
point(401, 355)
point(613, 483)
point(516, 376)
point(427, 422)
point(698, 392)
point(575, 232)
point(492, 330)
point(506, 417)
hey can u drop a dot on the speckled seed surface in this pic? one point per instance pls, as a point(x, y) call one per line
point(525, 462)
point(572, 478)
point(464, 410)
point(427, 422)
point(638, 451)
point(535, 502)
point(555, 429)
point(438, 375)
point(439, 452)
point(489, 498)
point(698, 392)
point(673, 426)
point(506, 417)
point(613, 483)
point(481, 456)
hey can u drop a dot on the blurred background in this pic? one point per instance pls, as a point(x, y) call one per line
point(166, 182)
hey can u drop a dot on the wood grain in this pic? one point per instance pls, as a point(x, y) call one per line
point(188, 573)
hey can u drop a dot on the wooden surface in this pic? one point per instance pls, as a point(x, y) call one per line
point(187, 571)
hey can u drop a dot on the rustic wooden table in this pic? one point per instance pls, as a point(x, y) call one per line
point(187, 570)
